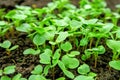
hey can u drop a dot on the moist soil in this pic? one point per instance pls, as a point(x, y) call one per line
point(26, 63)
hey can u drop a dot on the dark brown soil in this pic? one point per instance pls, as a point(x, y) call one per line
point(25, 64)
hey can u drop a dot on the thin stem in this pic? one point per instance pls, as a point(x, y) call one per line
point(114, 55)
point(91, 41)
point(53, 73)
point(96, 54)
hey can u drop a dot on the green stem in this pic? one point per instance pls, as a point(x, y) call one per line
point(53, 73)
point(114, 57)
point(96, 54)
point(91, 41)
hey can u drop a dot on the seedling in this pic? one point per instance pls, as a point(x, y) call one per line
point(3, 28)
point(6, 45)
point(95, 52)
point(114, 45)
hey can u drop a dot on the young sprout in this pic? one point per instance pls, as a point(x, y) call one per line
point(7, 45)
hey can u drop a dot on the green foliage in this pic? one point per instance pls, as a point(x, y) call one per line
point(7, 44)
point(63, 35)
point(31, 51)
point(4, 27)
point(37, 70)
point(83, 69)
point(66, 46)
point(5, 78)
point(9, 70)
point(115, 64)
point(114, 45)
point(81, 77)
point(69, 62)
point(36, 77)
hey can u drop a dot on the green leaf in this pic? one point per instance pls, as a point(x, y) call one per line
point(23, 79)
point(118, 6)
point(17, 77)
point(62, 36)
point(70, 62)
point(115, 64)
point(31, 51)
point(14, 47)
point(1, 72)
point(118, 34)
point(36, 77)
point(61, 65)
point(66, 46)
point(24, 28)
point(82, 77)
point(83, 69)
point(61, 78)
point(73, 53)
point(91, 21)
point(45, 58)
point(61, 23)
point(46, 69)
point(19, 16)
point(9, 69)
point(92, 74)
point(100, 49)
point(39, 39)
point(83, 41)
point(56, 54)
point(69, 74)
point(114, 45)
point(106, 28)
point(2, 23)
point(37, 70)
point(10, 14)
point(86, 55)
point(74, 24)
point(5, 78)
point(6, 44)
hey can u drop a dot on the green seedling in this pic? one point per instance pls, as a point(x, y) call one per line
point(36, 77)
point(6, 45)
point(84, 70)
point(3, 28)
point(66, 46)
point(2, 13)
point(37, 73)
point(61, 78)
point(95, 52)
point(5, 78)
point(115, 64)
point(8, 70)
point(50, 59)
point(18, 77)
point(114, 45)
point(84, 77)
point(31, 51)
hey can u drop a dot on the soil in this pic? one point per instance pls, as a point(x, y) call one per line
point(25, 64)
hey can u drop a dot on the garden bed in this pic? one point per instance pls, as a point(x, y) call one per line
point(60, 42)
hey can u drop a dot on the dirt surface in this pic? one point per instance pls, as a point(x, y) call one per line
point(25, 64)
